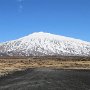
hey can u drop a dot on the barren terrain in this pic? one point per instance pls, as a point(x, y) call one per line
point(9, 65)
point(46, 79)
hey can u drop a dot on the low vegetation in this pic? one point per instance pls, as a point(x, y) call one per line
point(11, 64)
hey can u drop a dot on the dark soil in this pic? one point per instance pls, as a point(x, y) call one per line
point(46, 79)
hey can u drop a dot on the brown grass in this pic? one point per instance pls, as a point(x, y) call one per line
point(13, 64)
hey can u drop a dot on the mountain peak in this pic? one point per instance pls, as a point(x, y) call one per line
point(45, 35)
point(41, 44)
point(40, 34)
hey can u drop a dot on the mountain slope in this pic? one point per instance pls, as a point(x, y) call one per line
point(39, 44)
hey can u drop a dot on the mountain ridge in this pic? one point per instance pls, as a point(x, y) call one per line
point(42, 44)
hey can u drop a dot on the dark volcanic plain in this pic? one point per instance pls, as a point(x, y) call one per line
point(45, 73)
point(46, 79)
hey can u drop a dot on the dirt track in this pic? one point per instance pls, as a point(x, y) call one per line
point(46, 79)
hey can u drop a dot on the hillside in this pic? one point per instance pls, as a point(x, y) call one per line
point(43, 44)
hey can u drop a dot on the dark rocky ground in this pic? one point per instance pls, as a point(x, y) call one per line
point(46, 79)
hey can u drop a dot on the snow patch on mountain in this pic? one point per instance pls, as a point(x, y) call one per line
point(41, 44)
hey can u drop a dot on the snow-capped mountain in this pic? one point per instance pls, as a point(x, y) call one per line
point(40, 44)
